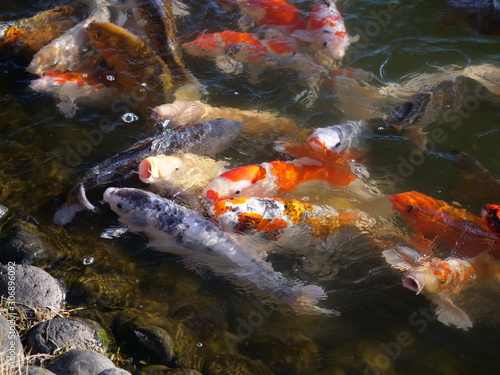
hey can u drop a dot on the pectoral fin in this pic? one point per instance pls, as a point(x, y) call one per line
point(450, 314)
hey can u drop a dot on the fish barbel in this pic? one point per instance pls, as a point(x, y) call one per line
point(272, 179)
point(206, 138)
point(179, 230)
point(29, 35)
point(183, 175)
point(441, 280)
point(435, 221)
point(138, 70)
point(280, 223)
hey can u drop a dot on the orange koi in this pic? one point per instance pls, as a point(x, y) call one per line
point(441, 280)
point(96, 80)
point(274, 178)
point(436, 222)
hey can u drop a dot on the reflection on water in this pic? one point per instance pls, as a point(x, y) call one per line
point(382, 328)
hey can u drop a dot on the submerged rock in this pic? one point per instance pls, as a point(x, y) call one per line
point(114, 371)
point(81, 362)
point(157, 340)
point(58, 333)
point(34, 288)
point(22, 244)
point(235, 365)
point(164, 370)
point(110, 290)
point(11, 349)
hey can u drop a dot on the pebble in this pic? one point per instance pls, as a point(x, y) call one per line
point(81, 362)
point(11, 349)
point(57, 333)
point(34, 288)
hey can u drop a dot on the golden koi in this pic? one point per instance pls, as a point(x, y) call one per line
point(183, 175)
point(261, 126)
point(139, 71)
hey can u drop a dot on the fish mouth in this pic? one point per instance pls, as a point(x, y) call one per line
point(412, 283)
point(148, 171)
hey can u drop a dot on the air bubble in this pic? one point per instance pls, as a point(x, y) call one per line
point(199, 344)
point(130, 117)
point(88, 261)
point(110, 77)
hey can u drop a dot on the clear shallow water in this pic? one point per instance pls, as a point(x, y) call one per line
point(42, 153)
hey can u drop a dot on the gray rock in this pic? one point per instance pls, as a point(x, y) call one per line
point(76, 333)
point(23, 244)
point(11, 349)
point(81, 362)
point(34, 288)
point(34, 370)
point(115, 371)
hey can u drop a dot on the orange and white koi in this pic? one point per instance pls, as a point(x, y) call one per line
point(438, 223)
point(76, 88)
point(440, 280)
point(273, 179)
point(282, 222)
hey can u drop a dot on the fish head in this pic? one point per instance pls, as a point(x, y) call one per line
point(163, 167)
point(133, 206)
point(234, 183)
point(491, 216)
point(431, 276)
point(412, 204)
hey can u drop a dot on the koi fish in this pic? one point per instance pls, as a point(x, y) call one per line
point(272, 179)
point(491, 216)
point(72, 88)
point(332, 145)
point(29, 35)
point(326, 30)
point(280, 223)
point(259, 125)
point(441, 280)
point(246, 48)
point(138, 70)
point(73, 49)
point(206, 138)
point(476, 181)
point(436, 222)
point(275, 13)
point(183, 175)
point(178, 230)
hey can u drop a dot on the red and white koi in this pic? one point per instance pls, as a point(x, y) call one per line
point(441, 280)
point(247, 48)
point(276, 13)
point(273, 179)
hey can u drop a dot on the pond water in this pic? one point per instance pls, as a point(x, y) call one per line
point(383, 327)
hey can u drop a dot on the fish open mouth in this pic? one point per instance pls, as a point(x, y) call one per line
point(412, 283)
point(148, 170)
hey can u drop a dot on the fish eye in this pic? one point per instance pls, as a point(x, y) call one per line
point(97, 34)
point(119, 205)
point(337, 144)
point(177, 168)
point(325, 44)
point(237, 191)
point(410, 209)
